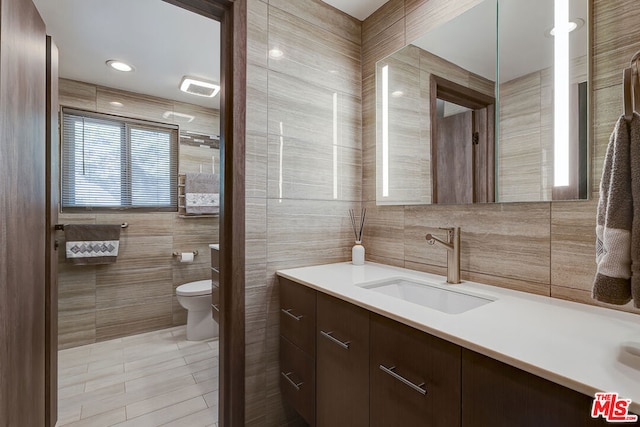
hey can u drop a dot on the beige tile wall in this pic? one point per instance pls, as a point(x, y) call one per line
point(304, 167)
point(545, 248)
point(137, 293)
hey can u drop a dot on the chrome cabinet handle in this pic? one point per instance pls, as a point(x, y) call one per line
point(215, 307)
point(293, 316)
point(343, 344)
point(287, 377)
point(420, 388)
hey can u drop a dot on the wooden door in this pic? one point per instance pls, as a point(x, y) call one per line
point(22, 214)
point(482, 158)
point(51, 298)
point(455, 163)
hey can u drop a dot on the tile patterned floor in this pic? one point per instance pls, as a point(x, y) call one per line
point(153, 379)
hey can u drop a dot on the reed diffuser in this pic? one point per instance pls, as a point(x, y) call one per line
point(357, 252)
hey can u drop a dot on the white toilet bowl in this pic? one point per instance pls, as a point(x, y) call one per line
point(196, 298)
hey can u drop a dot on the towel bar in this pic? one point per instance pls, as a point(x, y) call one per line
point(61, 226)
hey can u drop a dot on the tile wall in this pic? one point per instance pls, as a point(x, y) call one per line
point(137, 293)
point(304, 167)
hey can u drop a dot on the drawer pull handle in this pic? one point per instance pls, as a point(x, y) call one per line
point(215, 269)
point(287, 377)
point(293, 316)
point(343, 344)
point(391, 371)
point(215, 307)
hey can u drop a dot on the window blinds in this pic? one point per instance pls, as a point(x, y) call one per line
point(117, 163)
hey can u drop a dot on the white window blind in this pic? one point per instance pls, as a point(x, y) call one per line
point(117, 163)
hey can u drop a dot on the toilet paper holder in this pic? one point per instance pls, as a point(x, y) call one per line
point(179, 254)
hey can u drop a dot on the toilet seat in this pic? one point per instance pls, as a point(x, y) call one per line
point(194, 289)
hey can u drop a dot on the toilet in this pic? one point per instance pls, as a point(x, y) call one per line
point(196, 298)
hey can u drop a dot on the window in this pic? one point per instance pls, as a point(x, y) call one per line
point(117, 163)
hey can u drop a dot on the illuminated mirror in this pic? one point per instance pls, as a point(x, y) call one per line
point(466, 113)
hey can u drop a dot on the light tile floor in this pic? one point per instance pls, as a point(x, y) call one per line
point(153, 379)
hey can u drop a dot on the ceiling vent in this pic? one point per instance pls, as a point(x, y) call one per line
point(199, 87)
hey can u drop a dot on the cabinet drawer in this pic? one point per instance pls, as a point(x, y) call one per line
point(297, 380)
point(298, 315)
point(342, 363)
point(415, 377)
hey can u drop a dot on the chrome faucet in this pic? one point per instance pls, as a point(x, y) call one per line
point(453, 252)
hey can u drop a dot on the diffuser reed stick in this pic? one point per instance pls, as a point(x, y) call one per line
point(357, 221)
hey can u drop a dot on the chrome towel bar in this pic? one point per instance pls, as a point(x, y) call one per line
point(62, 226)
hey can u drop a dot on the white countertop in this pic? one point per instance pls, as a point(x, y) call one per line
point(215, 246)
point(576, 345)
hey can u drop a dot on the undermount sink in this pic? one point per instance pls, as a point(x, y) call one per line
point(449, 301)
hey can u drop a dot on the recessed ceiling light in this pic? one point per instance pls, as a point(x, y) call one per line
point(116, 104)
point(571, 26)
point(276, 53)
point(397, 93)
point(199, 87)
point(119, 65)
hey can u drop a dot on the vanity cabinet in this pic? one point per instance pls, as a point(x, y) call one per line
point(342, 363)
point(298, 347)
point(415, 377)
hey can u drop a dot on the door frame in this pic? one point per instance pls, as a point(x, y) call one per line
point(446, 90)
point(232, 16)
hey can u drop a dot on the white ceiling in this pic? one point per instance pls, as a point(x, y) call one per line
point(163, 42)
point(360, 9)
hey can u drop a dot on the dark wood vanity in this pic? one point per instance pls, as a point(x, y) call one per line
point(342, 365)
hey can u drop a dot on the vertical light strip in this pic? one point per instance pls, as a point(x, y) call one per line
point(280, 171)
point(335, 145)
point(561, 90)
point(385, 131)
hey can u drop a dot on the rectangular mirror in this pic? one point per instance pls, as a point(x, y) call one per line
point(448, 133)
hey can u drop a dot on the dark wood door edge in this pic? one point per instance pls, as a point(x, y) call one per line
point(232, 16)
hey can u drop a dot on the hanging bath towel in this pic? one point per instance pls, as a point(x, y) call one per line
point(202, 193)
point(89, 244)
point(618, 218)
